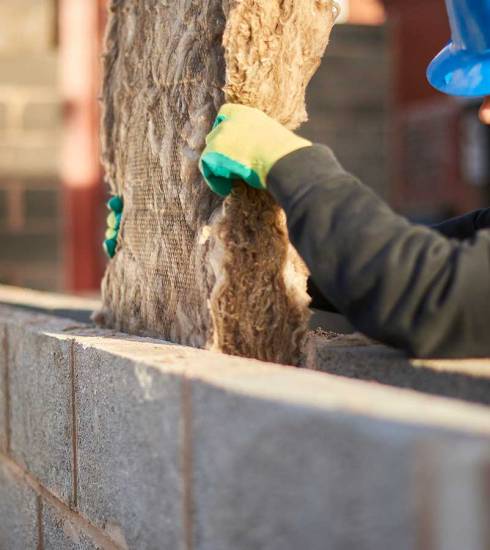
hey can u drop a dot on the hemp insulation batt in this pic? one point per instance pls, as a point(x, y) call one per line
point(191, 267)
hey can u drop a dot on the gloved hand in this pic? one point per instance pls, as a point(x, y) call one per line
point(244, 145)
point(115, 205)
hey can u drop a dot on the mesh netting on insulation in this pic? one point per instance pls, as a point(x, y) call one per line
point(191, 267)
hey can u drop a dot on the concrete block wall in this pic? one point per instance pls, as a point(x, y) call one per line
point(111, 441)
point(30, 141)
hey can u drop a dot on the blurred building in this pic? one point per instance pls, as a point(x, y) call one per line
point(425, 153)
point(30, 140)
point(50, 179)
point(440, 149)
point(350, 98)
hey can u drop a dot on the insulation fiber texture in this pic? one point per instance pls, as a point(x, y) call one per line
point(191, 267)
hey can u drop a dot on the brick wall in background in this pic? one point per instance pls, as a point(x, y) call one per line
point(30, 138)
point(349, 102)
point(29, 26)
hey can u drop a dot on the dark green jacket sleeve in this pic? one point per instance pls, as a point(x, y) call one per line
point(465, 227)
point(402, 284)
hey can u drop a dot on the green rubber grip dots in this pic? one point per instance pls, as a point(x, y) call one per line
point(115, 206)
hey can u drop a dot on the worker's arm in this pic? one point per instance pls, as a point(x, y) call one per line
point(465, 227)
point(402, 284)
point(318, 300)
point(461, 228)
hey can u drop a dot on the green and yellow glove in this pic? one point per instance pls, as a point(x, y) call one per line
point(115, 205)
point(244, 145)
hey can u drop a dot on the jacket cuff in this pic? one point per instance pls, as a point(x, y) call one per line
point(300, 169)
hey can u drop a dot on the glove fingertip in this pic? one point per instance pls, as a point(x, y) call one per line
point(115, 204)
point(110, 247)
point(224, 189)
point(219, 120)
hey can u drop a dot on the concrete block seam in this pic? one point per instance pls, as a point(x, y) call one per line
point(99, 537)
point(6, 374)
point(186, 459)
point(74, 434)
point(40, 530)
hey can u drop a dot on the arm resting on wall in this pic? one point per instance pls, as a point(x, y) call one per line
point(402, 284)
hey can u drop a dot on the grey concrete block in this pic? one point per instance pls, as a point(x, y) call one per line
point(357, 39)
point(321, 320)
point(348, 101)
point(52, 305)
point(60, 533)
point(43, 204)
point(272, 475)
point(467, 380)
point(43, 116)
point(128, 449)
point(40, 397)
point(8, 275)
point(3, 205)
point(30, 246)
point(27, 26)
point(281, 477)
point(3, 117)
point(454, 495)
point(18, 513)
point(29, 70)
point(21, 160)
point(45, 277)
